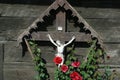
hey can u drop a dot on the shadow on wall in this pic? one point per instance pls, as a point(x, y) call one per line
point(97, 3)
point(34, 2)
point(81, 3)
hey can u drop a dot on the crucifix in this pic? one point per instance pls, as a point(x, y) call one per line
point(61, 9)
point(60, 47)
point(61, 33)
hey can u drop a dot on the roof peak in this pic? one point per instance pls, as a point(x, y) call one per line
point(66, 6)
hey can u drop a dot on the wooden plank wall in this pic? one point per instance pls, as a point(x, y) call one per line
point(1, 62)
point(81, 3)
point(15, 18)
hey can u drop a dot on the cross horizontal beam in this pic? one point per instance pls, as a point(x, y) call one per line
point(62, 36)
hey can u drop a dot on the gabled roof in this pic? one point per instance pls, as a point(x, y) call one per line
point(55, 6)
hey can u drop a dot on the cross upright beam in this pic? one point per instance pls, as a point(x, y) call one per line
point(61, 21)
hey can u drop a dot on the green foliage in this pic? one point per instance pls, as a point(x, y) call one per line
point(59, 75)
point(106, 75)
point(39, 62)
point(88, 69)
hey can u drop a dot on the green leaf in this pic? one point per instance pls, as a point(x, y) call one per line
point(68, 72)
point(91, 67)
point(90, 79)
point(100, 52)
point(38, 50)
point(71, 67)
point(84, 74)
point(31, 43)
point(68, 62)
point(83, 65)
point(37, 68)
point(37, 77)
point(41, 63)
point(37, 58)
point(42, 75)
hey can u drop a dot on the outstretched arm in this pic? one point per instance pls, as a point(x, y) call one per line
point(51, 40)
point(70, 41)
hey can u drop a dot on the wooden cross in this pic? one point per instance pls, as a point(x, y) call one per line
point(61, 27)
point(61, 32)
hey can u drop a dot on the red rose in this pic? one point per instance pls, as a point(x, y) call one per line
point(75, 76)
point(57, 60)
point(76, 64)
point(64, 68)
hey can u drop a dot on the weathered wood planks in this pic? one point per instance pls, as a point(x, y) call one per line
point(1, 61)
point(35, 11)
point(15, 18)
point(109, 29)
point(14, 54)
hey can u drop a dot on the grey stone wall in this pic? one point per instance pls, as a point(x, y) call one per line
point(15, 18)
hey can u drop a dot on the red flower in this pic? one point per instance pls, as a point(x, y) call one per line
point(76, 64)
point(75, 76)
point(57, 60)
point(108, 57)
point(64, 68)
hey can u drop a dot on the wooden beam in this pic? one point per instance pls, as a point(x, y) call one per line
point(62, 36)
point(29, 49)
point(1, 61)
point(61, 21)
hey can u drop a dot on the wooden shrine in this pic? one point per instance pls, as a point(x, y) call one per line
point(58, 15)
point(59, 12)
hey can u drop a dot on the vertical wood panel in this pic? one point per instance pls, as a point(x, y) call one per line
point(1, 62)
point(61, 21)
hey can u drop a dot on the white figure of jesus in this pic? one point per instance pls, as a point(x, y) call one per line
point(60, 47)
